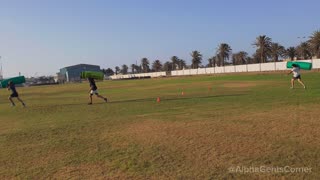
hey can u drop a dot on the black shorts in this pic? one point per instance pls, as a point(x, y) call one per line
point(15, 94)
point(298, 77)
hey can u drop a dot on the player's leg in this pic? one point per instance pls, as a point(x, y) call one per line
point(99, 96)
point(19, 99)
point(10, 98)
point(90, 98)
point(292, 83)
point(300, 81)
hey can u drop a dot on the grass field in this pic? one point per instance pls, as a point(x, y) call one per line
point(221, 122)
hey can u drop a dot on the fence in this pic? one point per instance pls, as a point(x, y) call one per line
point(272, 66)
point(262, 67)
point(141, 75)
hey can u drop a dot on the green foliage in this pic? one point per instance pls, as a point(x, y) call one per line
point(223, 53)
point(196, 59)
point(315, 43)
point(263, 44)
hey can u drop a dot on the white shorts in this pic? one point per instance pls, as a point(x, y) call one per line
point(94, 92)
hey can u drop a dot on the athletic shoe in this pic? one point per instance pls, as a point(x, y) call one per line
point(23, 104)
point(106, 100)
point(89, 103)
point(13, 105)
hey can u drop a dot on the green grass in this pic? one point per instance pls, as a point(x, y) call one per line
point(244, 120)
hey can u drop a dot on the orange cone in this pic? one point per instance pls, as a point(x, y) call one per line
point(158, 99)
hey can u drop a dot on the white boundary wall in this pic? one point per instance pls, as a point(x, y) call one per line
point(263, 67)
point(141, 75)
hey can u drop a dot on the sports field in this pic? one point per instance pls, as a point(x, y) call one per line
point(220, 123)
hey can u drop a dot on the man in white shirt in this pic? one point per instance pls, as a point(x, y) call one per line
point(296, 76)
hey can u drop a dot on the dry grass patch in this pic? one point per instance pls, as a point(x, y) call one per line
point(249, 139)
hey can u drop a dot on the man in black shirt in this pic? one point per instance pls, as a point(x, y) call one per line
point(14, 94)
point(94, 90)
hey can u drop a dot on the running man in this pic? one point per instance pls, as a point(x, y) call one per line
point(14, 94)
point(296, 76)
point(94, 90)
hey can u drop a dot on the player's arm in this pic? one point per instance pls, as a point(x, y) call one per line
point(289, 72)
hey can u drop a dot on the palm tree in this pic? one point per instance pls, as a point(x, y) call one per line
point(304, 51)
point(263, 47)
point(167, 66)
point(124, 69)
point(291, 52)
point(223, 53)
point(175, 62)
point(256, 58)
point(234, 58)
point(276, 51)
point(117, 70)
point(212, 61)
point(108, 72)
point(138, 68)
point(156, 65)
point(243, 57)
point(182, 64)
point(145, 65)
point(133, 67)
point(240, 58)
point(196, 59)
point(250, 60)
point(315, 43)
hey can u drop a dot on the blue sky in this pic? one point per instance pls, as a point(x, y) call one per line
point(37, 37)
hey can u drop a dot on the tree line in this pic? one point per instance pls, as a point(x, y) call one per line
point(266, 51)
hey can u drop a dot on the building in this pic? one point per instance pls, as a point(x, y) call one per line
point(72, 73)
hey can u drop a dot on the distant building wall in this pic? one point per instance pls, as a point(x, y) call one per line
point(72, 73)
